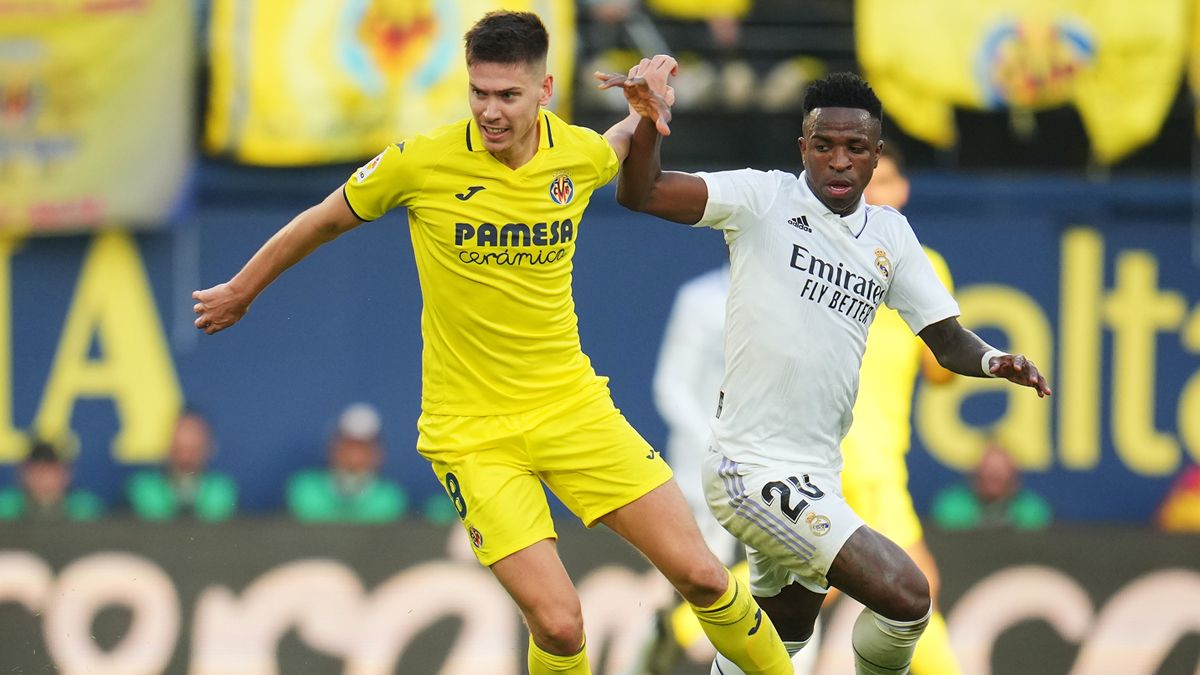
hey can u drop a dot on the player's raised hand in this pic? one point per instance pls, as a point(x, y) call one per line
point(218, 308)
point(1019, 370)
point(646, 89)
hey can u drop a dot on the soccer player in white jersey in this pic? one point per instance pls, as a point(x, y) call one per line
point(810, 262)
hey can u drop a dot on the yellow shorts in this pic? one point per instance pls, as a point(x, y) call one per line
point(883, 502)
point(493, 468)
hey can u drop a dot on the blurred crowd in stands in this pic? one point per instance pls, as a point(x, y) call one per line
point(348, 489)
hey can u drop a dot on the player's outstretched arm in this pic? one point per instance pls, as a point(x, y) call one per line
point(961, 351)
point(221, 306)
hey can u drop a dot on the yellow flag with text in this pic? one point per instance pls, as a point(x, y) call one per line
point(298, 82)
point(95, 112)
point(1119, 62)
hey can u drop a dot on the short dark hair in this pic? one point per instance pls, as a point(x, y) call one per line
point(842, 90)
point(43, 452)
point(507, 37)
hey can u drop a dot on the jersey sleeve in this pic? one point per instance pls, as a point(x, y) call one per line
point(915, 291)
point(606, 162)
point(390, 179)
point(737, 199)
point(940, 268)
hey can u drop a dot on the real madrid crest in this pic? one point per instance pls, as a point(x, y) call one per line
point(562, 190)
point(818, 524)
point(882, 263)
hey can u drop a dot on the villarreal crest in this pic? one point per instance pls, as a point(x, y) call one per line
point(562, 190)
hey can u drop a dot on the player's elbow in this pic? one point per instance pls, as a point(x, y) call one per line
point(634, 199)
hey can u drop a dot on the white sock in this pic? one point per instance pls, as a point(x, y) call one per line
point(723, 666)
point(804, 654)
point(883, 646)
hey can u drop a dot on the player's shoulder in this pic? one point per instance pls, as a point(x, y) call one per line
point(560, 135)
point(437, 142)
point(750, 182)
point(886, 222)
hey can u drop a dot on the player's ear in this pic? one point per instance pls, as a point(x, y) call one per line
point(547, 89)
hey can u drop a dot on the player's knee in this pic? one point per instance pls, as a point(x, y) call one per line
point(702, 581)
point(912, 599)
point(558, 631)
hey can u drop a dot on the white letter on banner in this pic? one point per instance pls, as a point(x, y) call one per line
point(102, 580)
point(618, 612)
point(321, 599)
point(411, 601)
point(1140, 625)
point(25, 578)
point(1008, 597)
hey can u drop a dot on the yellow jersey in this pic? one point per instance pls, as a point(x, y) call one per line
point(494, 249)
point(883, 411)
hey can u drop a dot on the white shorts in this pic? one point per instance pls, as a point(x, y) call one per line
point(793, 520)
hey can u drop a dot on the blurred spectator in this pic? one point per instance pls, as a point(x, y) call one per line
point(734, 82)
point(994, 498)
point(1180, 510)
point(350, 490)
point(184, 486)
point(44, 493)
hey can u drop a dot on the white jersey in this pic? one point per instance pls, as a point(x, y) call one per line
point(804, 286)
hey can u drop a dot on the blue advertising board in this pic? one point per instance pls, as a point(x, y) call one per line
point(1095, 281)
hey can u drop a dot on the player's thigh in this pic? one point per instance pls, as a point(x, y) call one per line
point(882, 499)
point(591, 457)
point(792, 521)
point(486, 472)
point(875, 571)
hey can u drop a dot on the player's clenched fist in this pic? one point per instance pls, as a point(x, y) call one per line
point(1019, 370)
point(218, 308)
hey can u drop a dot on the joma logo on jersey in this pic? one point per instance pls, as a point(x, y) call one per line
point(515, 234)
point(562, 190)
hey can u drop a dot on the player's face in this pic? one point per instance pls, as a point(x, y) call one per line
point(888, 187)
point(840, 147)
point(505, 98)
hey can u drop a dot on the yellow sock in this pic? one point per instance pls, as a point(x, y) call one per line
point(934, 655)
point(740, 630)
point(544, 663)
point(685, 626)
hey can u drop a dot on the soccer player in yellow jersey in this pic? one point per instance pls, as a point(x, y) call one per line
point(509, 400)
point(874, 473)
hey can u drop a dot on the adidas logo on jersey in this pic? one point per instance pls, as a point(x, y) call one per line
point(800, 222)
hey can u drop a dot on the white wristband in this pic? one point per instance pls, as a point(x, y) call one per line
point(986, 362)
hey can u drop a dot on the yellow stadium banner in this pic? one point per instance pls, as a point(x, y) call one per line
point(95, 112)
point(1118, 62)
point(300, 82)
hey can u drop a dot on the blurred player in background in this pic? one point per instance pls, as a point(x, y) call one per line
point(810, 263)
point(509, 400)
